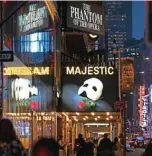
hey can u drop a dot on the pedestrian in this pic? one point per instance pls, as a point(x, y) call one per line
point(117, 147)
point(80, 144)
point(105, 147)
point(89, 149)
point(148, 150)
point(9, 143)
point(45, 147)
point(62, 145)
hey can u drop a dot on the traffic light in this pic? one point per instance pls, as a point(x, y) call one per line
point(149, 22)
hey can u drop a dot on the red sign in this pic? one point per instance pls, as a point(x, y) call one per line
point(120, 105)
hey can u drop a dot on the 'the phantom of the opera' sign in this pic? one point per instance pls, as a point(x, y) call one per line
point(35, 18)
point(89, 70)
point(85, 17)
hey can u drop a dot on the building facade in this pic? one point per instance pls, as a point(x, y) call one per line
point(28, 80)
point(118, 23)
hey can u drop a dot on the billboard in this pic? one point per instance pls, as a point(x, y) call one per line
point(127, 74)
point(28, 89)
point(85, 17)
point(144, 102)
point(88, 89)
point(32, 18)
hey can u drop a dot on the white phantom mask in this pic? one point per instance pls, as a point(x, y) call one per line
point(92, 89)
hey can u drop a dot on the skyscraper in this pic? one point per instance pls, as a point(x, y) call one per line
point(118, 23)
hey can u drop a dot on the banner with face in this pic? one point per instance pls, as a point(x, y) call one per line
point(89, 93)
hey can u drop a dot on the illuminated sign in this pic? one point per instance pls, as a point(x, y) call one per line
point(85, 17)
point(22, 89)
point(151, 93)
point(26, 70)
point(141, 94)
point(76, 70)
point(36, 17)
point(145, 111)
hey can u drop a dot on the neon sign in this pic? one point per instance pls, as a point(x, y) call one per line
point(145, 111)
point(26, 71)
point(151, 93)
point(89, 70)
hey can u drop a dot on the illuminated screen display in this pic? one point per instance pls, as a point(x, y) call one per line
point(29, 92)
point(90, 89)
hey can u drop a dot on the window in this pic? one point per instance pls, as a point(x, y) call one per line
point(37, 42)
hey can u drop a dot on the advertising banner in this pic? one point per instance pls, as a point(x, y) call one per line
point(89, 89)
point(30, 89)
point(143, 112)
point(127, 74)
point(85, 17)
point(33, 17)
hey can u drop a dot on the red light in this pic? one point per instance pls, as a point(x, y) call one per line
point(4, 1)
point(34, 104)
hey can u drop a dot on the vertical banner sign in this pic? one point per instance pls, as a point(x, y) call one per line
point(145, 110)
point(127, 74)
point(1, 91)
point(144, 100)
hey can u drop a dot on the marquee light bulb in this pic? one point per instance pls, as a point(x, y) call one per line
point(92, 113)
point(77, 113)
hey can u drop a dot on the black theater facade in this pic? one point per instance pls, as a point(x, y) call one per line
point(28, 80)
point(48, 93)
point(89, 86)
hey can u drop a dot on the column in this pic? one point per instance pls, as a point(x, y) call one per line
point(119, 127)
point(79, 129)
point(111, 131)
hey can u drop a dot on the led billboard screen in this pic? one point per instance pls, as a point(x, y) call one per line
point(90, 89)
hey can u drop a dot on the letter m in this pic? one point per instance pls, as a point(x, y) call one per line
point(69, 71)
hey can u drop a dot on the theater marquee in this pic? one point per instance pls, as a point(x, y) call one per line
point(26, 71)
point(85, 17)
point(88, 88)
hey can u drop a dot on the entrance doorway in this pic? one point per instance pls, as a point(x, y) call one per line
point(90, 125)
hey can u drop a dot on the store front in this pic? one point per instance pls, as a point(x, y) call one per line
point(28, 80)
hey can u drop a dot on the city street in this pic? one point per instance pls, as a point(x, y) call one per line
point(137, 152)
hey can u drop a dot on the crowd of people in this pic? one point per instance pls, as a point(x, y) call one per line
point(103, 147)
point(10, 145)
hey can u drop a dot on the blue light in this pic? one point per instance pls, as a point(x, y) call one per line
point(37, 42)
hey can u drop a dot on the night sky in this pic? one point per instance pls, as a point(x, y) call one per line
point(138, 20)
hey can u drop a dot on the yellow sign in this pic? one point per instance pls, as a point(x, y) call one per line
point(127, 74)
point(26, 71)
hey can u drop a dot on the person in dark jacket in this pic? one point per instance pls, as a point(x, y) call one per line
point(105, 147)
point(9, 143)
point(148, 150)
point(89, 150)
point(46, 147)
point(79, 147)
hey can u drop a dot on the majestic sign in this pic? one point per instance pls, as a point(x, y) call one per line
point(35, 18)
point(26, 70)
point(89, 70)
point(127, 74)
point(88, 89)
point(85, 17)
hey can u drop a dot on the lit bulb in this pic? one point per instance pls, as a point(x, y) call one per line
point(92, 113)
point(77, 113)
